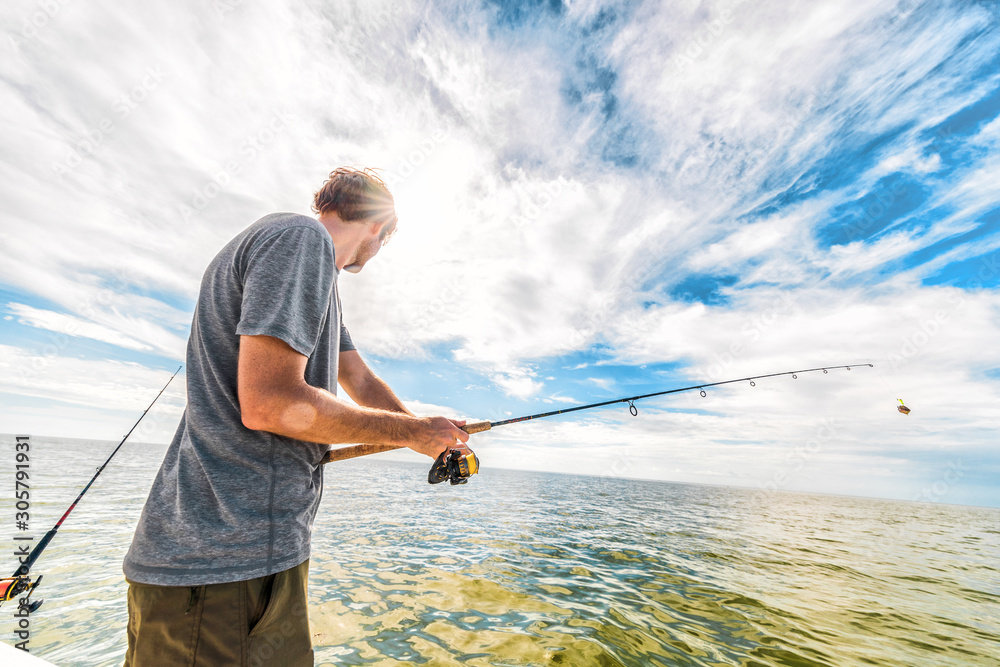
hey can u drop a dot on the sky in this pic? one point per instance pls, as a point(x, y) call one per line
point(596, 200)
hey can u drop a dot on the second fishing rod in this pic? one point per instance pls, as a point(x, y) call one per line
point(458, 466)
point(19, 586)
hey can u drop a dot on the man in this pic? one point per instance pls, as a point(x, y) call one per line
point(218, 565)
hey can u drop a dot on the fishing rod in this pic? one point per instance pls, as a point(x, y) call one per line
point(20, 582)
point(452, 465)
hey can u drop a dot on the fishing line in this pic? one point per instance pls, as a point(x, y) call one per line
point(902, 406)
point(20, 583)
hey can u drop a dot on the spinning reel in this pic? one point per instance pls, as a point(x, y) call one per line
point(455, 465)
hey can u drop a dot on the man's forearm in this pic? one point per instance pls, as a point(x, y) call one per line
point(316, 415)
point(373, 392)
point(274, 397)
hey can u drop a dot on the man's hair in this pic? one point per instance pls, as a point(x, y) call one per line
point(355, 195)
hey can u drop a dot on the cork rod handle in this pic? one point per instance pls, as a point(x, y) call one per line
point(354, 451)
point(477, 427)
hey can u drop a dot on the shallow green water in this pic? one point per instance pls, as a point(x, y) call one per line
point(534, 569)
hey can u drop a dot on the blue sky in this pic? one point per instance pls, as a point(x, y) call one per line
point(597, 199)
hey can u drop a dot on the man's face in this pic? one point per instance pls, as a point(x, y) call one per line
point(370, 248)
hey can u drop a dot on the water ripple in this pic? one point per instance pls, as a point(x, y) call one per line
point(533, 569)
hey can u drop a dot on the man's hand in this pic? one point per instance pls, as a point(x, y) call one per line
point(437, 434)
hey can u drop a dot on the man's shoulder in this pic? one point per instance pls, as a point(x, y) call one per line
point(277, 225)
point(276, 222)
point(242, 248)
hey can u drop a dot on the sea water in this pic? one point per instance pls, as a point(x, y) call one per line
point(543, 569)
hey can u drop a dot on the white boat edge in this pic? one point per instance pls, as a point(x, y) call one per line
point(14, 657)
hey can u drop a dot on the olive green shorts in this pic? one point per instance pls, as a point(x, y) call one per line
point(255, 623)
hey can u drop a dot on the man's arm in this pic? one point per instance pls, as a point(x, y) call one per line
point(275, 397)
point(364, 387)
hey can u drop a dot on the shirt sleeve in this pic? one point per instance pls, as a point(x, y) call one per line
point(287, 287)
point(346, 344)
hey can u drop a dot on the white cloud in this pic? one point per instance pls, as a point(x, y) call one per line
point(909, 158)
point(518, 242)
point(64, 324)
point(517, 382)
point(559, 398)
point(506, 262)
point(603, 383)
point(86, 398)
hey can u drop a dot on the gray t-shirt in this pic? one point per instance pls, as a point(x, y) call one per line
point(229, 503)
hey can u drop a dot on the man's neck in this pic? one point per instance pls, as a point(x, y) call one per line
point(346, 238)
